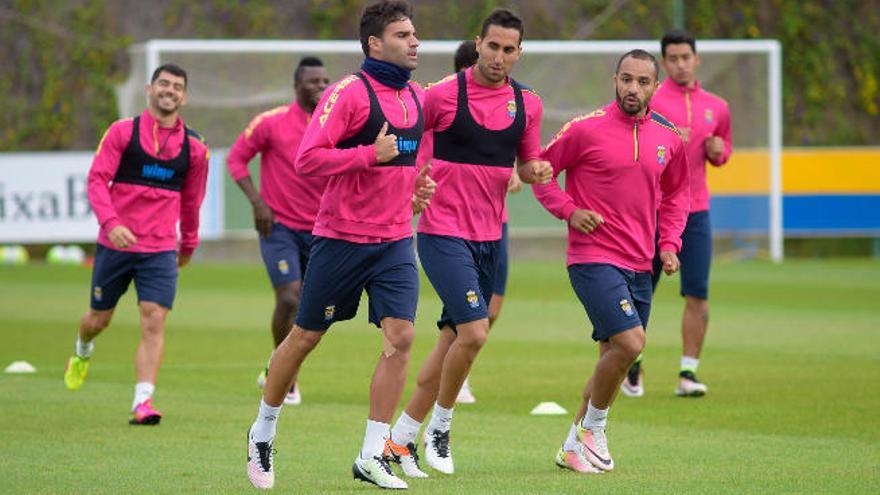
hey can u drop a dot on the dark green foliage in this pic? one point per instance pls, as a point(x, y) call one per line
point(63, 58)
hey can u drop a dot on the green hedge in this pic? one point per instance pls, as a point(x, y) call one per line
point(68, 55)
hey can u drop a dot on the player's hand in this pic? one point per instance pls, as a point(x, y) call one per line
point(121, 237)
point(386, 145)
point(714, 146)
point(514, 184)
point(536, 172)
point(585, 221)
point(263, 218)
point(425, 188)
point(670, 262)
point(183, 260)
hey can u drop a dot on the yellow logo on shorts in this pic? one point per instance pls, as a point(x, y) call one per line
point(472, 299)
point(283, 267)
point(98, 292)
point(329, 311)
point(626, 307)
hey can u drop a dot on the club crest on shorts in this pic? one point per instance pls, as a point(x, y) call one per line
point(283, 267)
point(626, 307)
point(511, 108)
point(472, 299)
point(661, 154)
point(98, 292)
point(708, 115)
point(329, 312)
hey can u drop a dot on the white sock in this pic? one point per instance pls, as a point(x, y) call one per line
point(374, 439)
point(571, 438)
point(263, 429)
point(689, 364)
point(84, 349)
point(595, 418)
point(142, 392)
point(405, 429)
point(441, 418)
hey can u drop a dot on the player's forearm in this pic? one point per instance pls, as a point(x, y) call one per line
point(554, 199)
point(319, 161)
point(247, 187)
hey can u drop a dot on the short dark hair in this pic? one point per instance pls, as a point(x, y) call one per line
point(640, 55)
point(172, 69)
point(504, 18)
point(465, 55)
point(303, 63)
point(379, 15)
point(677, 37)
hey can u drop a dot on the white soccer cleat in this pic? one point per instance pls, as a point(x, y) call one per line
point(465, 395)
point(689, 386)
point(377, 471)
point(406, 456)
point(293, 397)
point(632, 385)
point(260, 459)
point(595, 447)
point(438, 453)
point(575, 460)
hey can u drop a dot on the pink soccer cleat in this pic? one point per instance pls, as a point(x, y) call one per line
point(260, 457)
point(595, 446)
point(144, 414)
point(575, 460)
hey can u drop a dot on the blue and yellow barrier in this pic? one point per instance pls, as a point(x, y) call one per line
point(826, 192)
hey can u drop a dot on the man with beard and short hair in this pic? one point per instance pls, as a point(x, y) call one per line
point(704, 121)
point(365, 137)
point(621, 163)
point(284, 209)
point(148, 175)
point(481, 121)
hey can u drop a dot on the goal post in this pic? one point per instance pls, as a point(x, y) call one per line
point(233, 80)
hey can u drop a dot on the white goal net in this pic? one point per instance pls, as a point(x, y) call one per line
point(231, 81)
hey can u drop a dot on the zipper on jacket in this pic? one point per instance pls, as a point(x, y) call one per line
point(403, 105)
point(636, 141)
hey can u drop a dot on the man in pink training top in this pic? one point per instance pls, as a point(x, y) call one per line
point(365, 137)
point(482, 121)
point(285, 207)
point(621, 164)
point(466, 56)
point(704, 122)
point(148, 173)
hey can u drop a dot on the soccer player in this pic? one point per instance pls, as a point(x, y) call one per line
point(466, 56)
point(704, 122)
point(481, 121)
point(285, 207)
point(365, 137)
point(149, 173)
point(620, 162)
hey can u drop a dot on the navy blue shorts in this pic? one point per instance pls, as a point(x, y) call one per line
point(501, 264)
point(462, 273)
point(615, 299)
point(338, 273)
point(285, 253)
point(154, 274)
point(695, 256)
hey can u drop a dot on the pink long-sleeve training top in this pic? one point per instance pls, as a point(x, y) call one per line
point(470, 198)
point(363, 202)
point(698, 115)
point(276, 136)
point(151, 213)
point(622, 167)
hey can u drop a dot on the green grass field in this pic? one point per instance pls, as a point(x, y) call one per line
point(792, 360)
